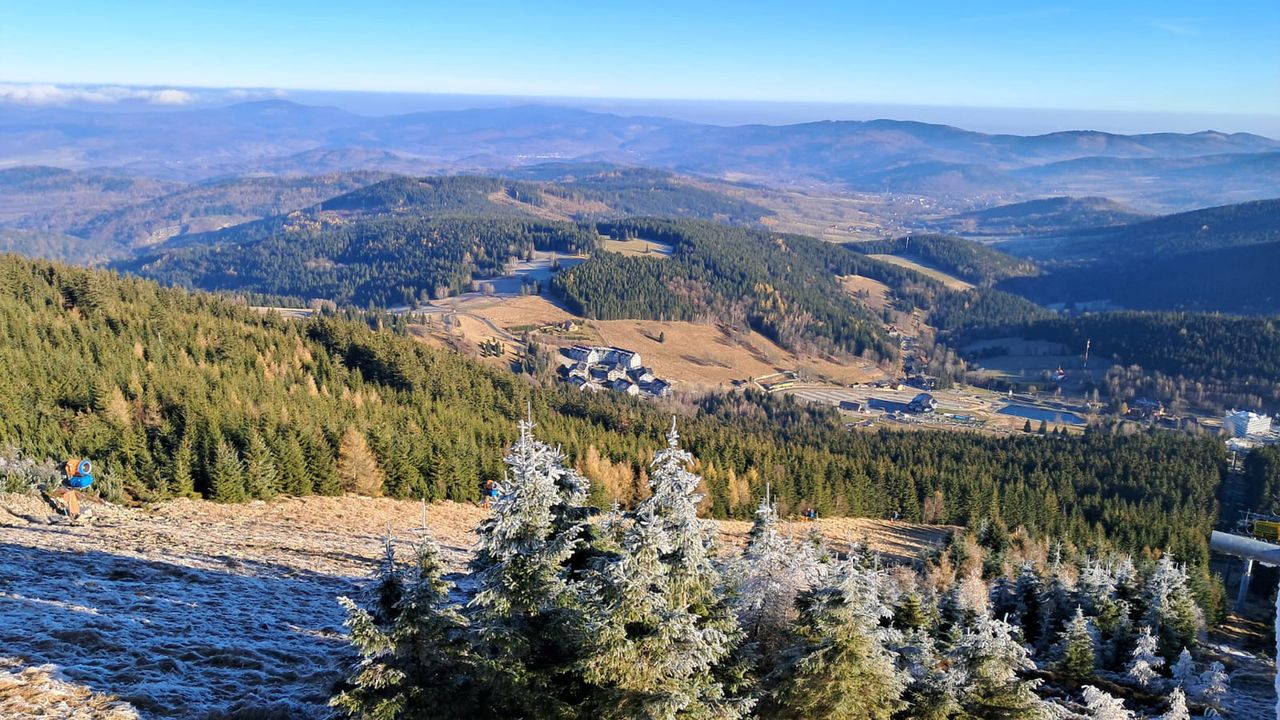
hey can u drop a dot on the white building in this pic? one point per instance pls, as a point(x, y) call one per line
point(1242, 423)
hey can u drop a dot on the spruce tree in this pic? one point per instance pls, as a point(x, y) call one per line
point(1214, 684)
point(1056, 601)
point(992, 662)
point(1177, 706)
point(1171, 610)
point(932, 691)
point(262, 479)
point(416, 661)
point(1145, 662)
point(182, 482)
point(1102, 706)
point(525, 604)
point(324, 471)
point(770, 579)
point(1079, 655)
point(841, 668)
point(1026, 605)
point(660, 628)
point(909, 613)
point(291, 463)
point(226, 481)
point(1184, 670)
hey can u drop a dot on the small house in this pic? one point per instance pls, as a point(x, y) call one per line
point(659, 388)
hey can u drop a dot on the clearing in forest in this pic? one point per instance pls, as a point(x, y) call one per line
point(697, 356)
point(637, 247)
point(950, 281)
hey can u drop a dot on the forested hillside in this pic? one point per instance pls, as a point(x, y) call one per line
point(656, 193)
point(462, 195)
point(782, 285)
point(1250, 223)
point(965, 259)
point(1234, 279)
point(50, 199)
point(1040, 217)
point(219, 202)
point(174, 393)
point(383, 260)
point(1236, 359)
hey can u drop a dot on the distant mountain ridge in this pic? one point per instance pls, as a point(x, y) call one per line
point(871, 156)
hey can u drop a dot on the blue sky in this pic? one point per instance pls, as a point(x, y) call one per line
point(1169, 56)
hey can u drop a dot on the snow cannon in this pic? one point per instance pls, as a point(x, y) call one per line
point(79, 472)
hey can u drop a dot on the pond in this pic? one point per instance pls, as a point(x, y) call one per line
point(1050, 415)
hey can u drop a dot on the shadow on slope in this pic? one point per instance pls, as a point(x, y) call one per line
point(257, 639)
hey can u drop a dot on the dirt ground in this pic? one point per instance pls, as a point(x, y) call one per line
point(190, 608)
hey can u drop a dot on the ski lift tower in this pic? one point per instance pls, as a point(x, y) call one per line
point(1256, 538)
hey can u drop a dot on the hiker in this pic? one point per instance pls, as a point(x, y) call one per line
point(491, 492)
point(77, 476)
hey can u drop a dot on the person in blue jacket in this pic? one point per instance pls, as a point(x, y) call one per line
point(78, 475)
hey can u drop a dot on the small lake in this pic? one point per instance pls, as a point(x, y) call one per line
point(1050, 415)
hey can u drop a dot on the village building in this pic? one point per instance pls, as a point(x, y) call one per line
point(616, 368)
point(1242, 423)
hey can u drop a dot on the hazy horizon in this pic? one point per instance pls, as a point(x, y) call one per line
point(1011, 120)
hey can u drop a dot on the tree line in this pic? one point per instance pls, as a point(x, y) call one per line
point(177, 393)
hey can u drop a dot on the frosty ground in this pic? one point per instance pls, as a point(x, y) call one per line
point(193, 609)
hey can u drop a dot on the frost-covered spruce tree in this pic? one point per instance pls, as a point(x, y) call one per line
point(1171, 610)
point(1057, 603)
point(1145, 663)
point(1002, 599)
point(416, 661)
point(992, 662)
point(841, 667)
point(674, 507)
point(525, 613)
point(1096, 586)
point(770, 577)
point(932, 691)
point(1214, 684)
point(1102, 706)
point(1184, 670)
point(1177, 706)
point(1078, 649)
point(658, 626)
point(1026, 604)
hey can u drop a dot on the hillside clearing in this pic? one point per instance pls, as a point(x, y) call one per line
point(637, 247)
point(698, 356)
point(191, 608)
point(950, 281)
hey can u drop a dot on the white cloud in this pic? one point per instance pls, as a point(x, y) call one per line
point(41, 94)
